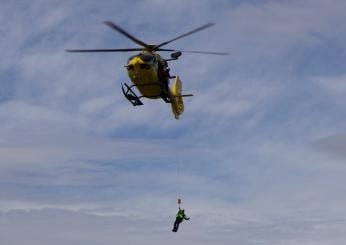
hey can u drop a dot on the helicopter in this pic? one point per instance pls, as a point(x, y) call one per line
point(149, 71)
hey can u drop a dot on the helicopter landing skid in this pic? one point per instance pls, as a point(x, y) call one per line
point(130, 95)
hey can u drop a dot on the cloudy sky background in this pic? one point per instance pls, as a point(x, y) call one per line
point(258, 155)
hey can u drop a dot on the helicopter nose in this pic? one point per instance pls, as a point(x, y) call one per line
point(133, 68)
point(133, 64)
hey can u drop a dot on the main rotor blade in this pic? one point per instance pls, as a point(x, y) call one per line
point(186, 34)
point(103, 50)
point(195, 52)
point(125, 33)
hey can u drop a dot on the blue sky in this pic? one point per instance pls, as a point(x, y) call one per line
point(260, 148)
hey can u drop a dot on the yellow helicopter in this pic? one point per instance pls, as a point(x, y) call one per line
point(149, 72)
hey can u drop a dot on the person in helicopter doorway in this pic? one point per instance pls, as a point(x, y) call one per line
point(164, 76)
point(180, 217)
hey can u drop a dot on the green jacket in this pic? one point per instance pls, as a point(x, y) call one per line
point(181, 215)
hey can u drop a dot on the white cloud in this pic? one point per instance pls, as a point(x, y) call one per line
point(336, 85)
point(335, 145)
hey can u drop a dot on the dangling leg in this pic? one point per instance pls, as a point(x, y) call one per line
point(165, 95)
point(176, 225)
point(164, 86)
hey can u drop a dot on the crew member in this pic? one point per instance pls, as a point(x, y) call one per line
point(179, 218)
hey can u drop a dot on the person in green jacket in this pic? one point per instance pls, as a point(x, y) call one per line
point(179, 218)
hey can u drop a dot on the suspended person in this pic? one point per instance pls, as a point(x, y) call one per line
point(164, 76)
point(179, 218)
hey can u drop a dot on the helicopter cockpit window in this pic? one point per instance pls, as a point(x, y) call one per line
point(147, 58)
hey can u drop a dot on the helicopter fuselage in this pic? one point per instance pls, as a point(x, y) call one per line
point(143, 70)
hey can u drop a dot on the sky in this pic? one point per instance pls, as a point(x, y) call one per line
point(258, 157)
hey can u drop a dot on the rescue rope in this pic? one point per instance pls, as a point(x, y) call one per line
point(178, 163)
